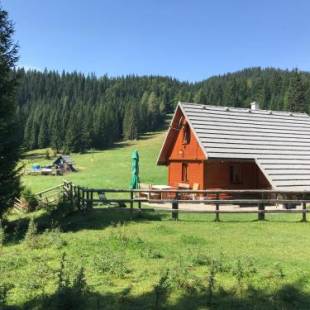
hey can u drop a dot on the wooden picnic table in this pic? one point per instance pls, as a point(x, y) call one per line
point(164, 195)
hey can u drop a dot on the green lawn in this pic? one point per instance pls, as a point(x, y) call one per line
point(105, 169)
point(148, 261)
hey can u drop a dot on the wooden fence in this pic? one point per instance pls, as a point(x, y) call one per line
point(85, 198)
point(50, 195)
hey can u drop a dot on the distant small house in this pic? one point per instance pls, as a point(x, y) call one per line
point(64, 163)
point(236, 148)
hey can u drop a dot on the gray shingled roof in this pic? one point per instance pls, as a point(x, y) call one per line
point(279, 142)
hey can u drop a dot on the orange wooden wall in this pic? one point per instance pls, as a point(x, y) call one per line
point(208, 174)
point(217, 175)
point(191, 151)
point(195, 173)
point(186, 153)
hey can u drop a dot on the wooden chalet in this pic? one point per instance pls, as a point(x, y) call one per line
point(213, 147)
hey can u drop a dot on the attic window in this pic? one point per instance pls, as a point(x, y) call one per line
point(180, 122)
point(186, 134)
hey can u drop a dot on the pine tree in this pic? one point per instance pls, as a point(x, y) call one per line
point(84, 137)
point(99, 138)
point(60, 97)
point(296, 93)
point(9, 140)
point(154, 117)
point(43, 134)
point(130, 123)
point(56, 131)
point(200, 97)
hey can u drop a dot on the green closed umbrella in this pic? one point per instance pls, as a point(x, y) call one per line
point(134, 182)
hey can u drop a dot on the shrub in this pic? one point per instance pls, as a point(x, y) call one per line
point(164, 229)
point(192, 240)
point(149, 252)
point(53, 238)
point(200, 259)
point(278, 271)
point(17, 231)
point(61, 211)
point(31, 237)
point(119, 233)
point(161, 290)
point(211, 282)
point(111, 263)
point(124, 295)
point(243, 271)
point(181, 278)
point(2, 235)
point(29, 200)
point(71, 294)
point(4, 291)
point(35, 282)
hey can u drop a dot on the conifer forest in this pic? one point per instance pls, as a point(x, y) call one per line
point(73, 112)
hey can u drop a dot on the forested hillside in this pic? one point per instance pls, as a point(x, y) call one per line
point(74, 112)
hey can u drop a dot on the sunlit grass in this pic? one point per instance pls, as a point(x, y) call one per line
point(124, 256)
point(105, 169)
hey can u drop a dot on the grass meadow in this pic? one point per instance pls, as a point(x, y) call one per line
point(104, 169)
point(110, 259)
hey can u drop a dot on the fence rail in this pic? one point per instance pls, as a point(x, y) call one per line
point(85, 198)
point(50, 195)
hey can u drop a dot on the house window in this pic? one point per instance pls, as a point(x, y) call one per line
point(186, 134)
point(235, 174)
point(184, 172)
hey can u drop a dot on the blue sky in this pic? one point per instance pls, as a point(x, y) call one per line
point(190, 40)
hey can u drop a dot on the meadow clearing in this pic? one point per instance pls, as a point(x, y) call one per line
point(106, 259)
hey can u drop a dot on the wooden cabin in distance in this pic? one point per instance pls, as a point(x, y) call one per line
point(236, 148)
point(63, 164)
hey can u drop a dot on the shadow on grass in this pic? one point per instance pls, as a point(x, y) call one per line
point(148, 135)
point(289, 296)
point(97, 218)
point(102, 217)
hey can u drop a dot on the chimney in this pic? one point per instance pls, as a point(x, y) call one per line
point(254, 106)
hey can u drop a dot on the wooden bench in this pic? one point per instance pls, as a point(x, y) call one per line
point(185, 186)
point(221, 196)
point(144, 186)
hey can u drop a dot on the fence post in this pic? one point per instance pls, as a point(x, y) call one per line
point(79, 197)
point(261, 215)
point(83, 199)
point(131, 202)
point(261, 209)
point(217, 208)
point(304, 210)
point(91, 199)
point(87, 198)
point(71, 195)
point(175, 207)
point(65, 191)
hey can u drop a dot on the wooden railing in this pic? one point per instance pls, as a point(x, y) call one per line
point(50, 195)
point(85, 198)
